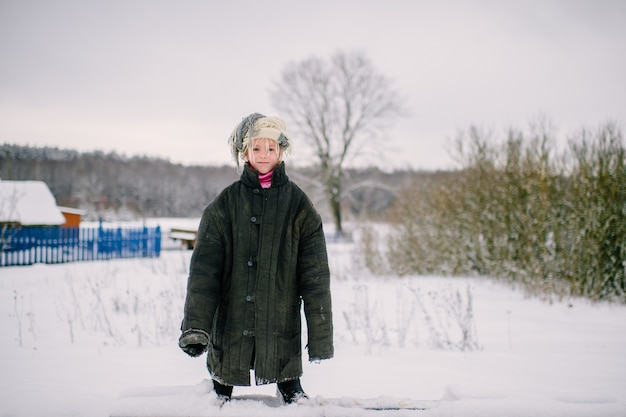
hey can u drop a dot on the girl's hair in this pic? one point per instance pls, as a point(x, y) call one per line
point(258, 126)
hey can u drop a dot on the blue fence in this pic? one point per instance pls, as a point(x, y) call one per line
point(50, 245)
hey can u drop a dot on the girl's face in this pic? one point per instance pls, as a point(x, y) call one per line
point(263, 155)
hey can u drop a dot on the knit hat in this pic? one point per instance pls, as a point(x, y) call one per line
point(258, 126)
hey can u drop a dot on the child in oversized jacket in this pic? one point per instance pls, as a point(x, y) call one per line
point(260, 254)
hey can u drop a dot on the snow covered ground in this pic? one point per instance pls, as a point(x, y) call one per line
point(100, 338)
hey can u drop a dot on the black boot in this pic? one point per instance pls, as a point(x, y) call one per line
point(291, 391)
point(224, 392)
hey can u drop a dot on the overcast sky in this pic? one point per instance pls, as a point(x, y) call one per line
point(172, 78)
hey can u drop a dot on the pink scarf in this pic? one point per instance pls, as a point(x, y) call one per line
point(266, 179)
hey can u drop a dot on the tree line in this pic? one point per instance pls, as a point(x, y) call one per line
point(113, 185)
point(116, 186)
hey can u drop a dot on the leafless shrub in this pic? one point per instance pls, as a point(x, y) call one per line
point(552, 222)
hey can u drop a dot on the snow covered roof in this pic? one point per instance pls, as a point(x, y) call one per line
point(72, 210)
point(29, 203)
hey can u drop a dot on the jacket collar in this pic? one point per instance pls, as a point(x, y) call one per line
point(250, 176)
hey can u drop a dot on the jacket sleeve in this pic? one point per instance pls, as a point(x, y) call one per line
point(314, 286)
point(205, 273)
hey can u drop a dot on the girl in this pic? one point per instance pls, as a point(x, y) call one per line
point(260, 254)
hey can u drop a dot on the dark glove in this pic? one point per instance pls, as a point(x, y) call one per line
point(194, 342)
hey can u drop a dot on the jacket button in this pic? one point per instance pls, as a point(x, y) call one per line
point(256, 191)
point(253, 219)
point(250, 263)
point(249, 298)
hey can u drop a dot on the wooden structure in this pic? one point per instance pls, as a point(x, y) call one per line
point(72, 216)
point(186, 236)
point(31, 245)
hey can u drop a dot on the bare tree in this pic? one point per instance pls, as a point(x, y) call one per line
point(338, 105)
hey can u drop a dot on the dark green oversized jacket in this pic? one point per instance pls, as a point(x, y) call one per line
point(259, 255)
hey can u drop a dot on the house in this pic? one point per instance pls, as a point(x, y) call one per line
point(28, 203)
point(72, 216)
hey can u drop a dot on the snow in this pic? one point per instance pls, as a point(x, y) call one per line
point(182, 235)
point(29, 203)
point(100, 338)
point(72, 210)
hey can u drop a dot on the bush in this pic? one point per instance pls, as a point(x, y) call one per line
point(518, 209)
